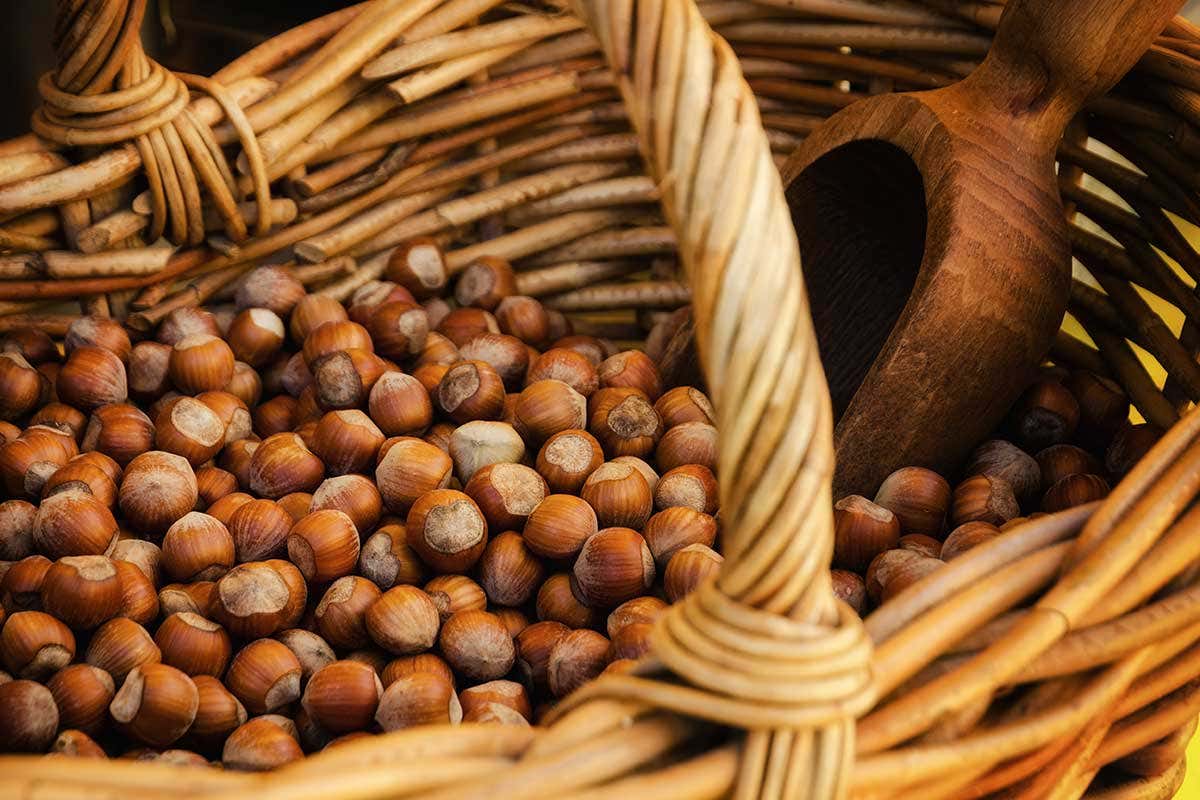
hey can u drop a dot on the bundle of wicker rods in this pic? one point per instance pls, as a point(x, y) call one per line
point(759, 684)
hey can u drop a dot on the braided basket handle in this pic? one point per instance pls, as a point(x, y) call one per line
point(765, 647)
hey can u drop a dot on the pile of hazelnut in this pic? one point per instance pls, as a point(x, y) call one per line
point(1066, 441)
point(272, 527)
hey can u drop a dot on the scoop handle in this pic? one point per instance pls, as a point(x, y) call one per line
point(1053, 56)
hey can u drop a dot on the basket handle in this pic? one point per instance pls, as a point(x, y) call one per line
point(1051, 57)
point(700, 133)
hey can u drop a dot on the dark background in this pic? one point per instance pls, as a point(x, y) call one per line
point(210, 34)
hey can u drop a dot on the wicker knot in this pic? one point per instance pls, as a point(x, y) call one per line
point(107, 91)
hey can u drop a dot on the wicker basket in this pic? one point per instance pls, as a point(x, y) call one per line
point(1025, 668)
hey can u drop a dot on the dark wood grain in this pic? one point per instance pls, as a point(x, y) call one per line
point(931, 318)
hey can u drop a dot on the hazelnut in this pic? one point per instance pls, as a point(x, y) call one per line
point(333, 337)
point(509, 572)
point(82, 476)
point(463, 324)
point(676, 527)
point(73, 524)
point(342, 613)
point(347, 441)
point(631, 369)
point(577, 658)
point(691, 485)
point(559, 525)
point(507, 355)
point(156, 704)
point(82, 694)
point(245, 385)
point(506, 494)
point(30, 718)
point(688, 568)
point(439, 350)
point(1060, 460)
point(966, 536)
point(430, 376)
point(534, 645)
point(277, 415)
point(119, 431)
point(410, 469)
point(343, 696)
point(454, 593)
point(509, 694)
point(481, 443)
point(559, 600)
point(193, 644)
point(310, 650)
point(324, 546)
point(514, 620)
point(184, 322)
point(643, 610)
point(615, 565)
point(893, 571)
point(252, 600)
point(420, 698)
point(688, 443)
point(312, 311)
point(920, 543)
point(195, 597)
point(82, 591)
point(407, 665)
point(256, 335)
point(1047, 413)
point(120, 645)
point(1103, 408)
point(17, 520)
point(419, 266)
point(1074, 490)
point(388, 561)
point(477, 644)
point(567, 459)
point(850, 588)
point(218, 712)
point(547, 407)
point(77, 744)
point(344, 379)
point(236, 459)
point(641, 466)
point(222, 509)
point(189, 428)
point(1129, 446)
point(568, 366)
point(983, 498)
point(274, 288)
point(62, 417)
point(619, 494)
point(684, 404)
point(200, 363)
point(90, 378)
point(260, 745)
point(353, 494)
point(403, 620)
point(439, 435)
point(399, 404)
point(398, 329)
point(485, 282)
point(447, 530)
point(918, 497)
point(1009, 463)
point(139, 598)
point(282, 465)
point(259, 530)
point(157, 489)
point(624, 422)
point(23, 386)
point(28, 461)
point(471, 390)
point(264, 676)
point(862, 530)
point(35, 645)
point(632, 641)
point(213, 483)
point(21, 586)
point(232, 412)
point(524, 318)
point(33, 344)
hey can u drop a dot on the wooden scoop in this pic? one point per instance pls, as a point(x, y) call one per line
point(934, 240)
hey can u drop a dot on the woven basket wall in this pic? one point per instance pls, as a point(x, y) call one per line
point(1060, 659)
